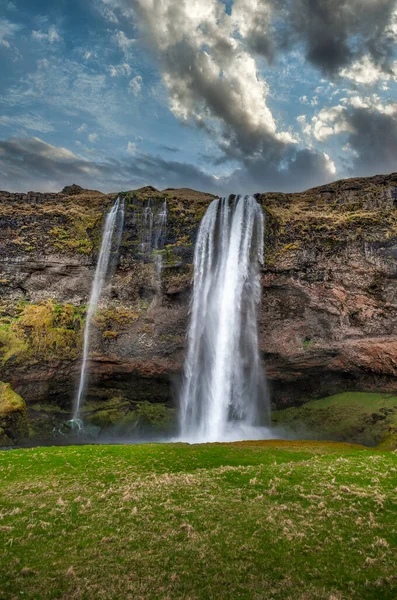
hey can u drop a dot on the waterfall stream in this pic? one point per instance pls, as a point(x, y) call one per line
point(224, 394)
point(108, 254)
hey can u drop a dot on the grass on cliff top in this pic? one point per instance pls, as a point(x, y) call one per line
point(265, 520)
point(360, 417)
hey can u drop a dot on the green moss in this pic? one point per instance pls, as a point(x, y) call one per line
point(42, 331)
point(155, 416)
point(13, 418)
point(353, 416)
point(389, 440)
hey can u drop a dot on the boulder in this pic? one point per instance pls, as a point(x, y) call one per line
point(13, 420)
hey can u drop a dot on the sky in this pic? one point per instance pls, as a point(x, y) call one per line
point(233, 96)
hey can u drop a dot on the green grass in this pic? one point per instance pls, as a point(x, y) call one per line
point(358, 417)
point(272, 520)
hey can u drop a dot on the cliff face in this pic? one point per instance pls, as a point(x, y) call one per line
point(328, 317)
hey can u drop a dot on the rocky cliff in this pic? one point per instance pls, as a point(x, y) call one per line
point(328, 317)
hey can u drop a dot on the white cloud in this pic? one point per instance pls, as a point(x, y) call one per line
point(123, 69)
point(331, 121)
point(132, 148)
point(210, 73)
point(50, 36)
point(106, 12)
point(30, 121)
point(92, 137)
point(124, 43)
point(135, 85)
point(82, 128)
point(8, 31)
point(366, 72)
point(330, 165)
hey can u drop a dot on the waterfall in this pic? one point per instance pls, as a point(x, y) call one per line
point(108, 256)
point(224, 393)
point(153, 228)
point(147, 229)
point(161, 227)
point(160, 236)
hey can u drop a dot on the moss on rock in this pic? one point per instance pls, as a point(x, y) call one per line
point(358, 417)
point(389, 440)
point(13, 420)
point(40, 332)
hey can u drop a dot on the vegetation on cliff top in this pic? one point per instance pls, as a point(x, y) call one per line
point(271, 520)
point(332, 215)
point(63, 224)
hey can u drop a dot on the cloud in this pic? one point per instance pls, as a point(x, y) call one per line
point(208, 59)
point(92, 137)
point(132, 148)
point(51, 36)
point(107, 13)
point(31, 163)
point(370, 127)
point(135, 85)
point(82, 128)
point(30, 121)
point(373, 140)
point(336, 33)
point(8, 31)
point(366, 72)
point(124, 69)
point(124, 43)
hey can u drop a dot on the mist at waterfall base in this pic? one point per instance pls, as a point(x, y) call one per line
point(224, 395)
point(107, 262)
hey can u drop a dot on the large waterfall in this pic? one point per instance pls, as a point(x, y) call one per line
point(111, 239)
point(224, 393)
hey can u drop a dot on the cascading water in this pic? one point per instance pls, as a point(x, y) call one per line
point(154, 227)
point(108, 253)
point(147, 229)
point(160, 236)
point(224, 394)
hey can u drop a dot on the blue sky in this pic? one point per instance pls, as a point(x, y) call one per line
point(236, 96)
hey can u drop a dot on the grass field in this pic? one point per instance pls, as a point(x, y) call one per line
point(266, 520)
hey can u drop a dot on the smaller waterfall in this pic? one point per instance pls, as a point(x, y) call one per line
point(161, 227)
point(224, 395)
point(111, 239)
point(147, 229)
point(160, 236)
point(153, 228)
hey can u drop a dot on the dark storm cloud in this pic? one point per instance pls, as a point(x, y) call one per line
point(373, 138)
point(336, 32)
point(31, 164)
point(299, 170)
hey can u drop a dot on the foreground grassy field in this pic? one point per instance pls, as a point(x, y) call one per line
point(271, 520)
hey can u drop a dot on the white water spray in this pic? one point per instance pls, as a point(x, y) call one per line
point(109, 248)
point(224, 395)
